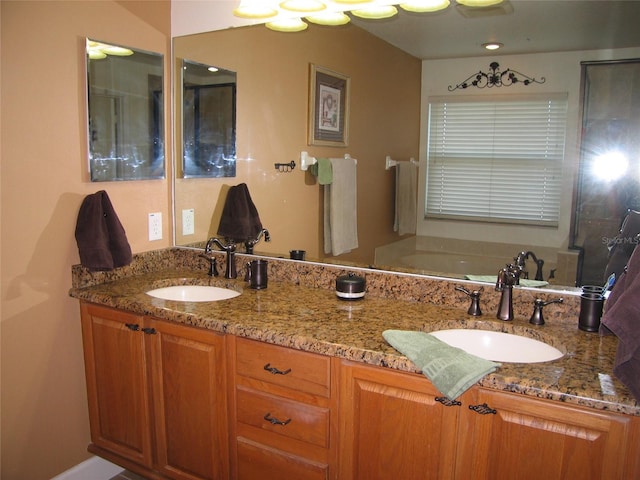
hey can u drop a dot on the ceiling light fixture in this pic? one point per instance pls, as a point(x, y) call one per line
point(329, 18)
point(423, 6)
point(255, 9)
point(305, 6)
point(286, 15)
point(99, 50)
point(375, 12)
point(479, 3)
point(492, 45)
point(287, 25)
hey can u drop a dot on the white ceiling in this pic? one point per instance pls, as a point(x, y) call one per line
point(523, 26)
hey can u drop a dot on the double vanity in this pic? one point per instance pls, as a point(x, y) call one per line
point(291, 382)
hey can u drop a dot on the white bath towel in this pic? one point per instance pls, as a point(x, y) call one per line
point(340, 208)
point(405, 208)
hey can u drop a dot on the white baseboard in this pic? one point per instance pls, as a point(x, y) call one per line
point(95, 468)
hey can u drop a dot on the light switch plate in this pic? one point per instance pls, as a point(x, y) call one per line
point(188, 221)
point(155, 226)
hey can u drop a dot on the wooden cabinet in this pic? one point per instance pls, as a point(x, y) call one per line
point(283, 406)
point(393, 426)
point(172, 401)
point(157, 394)
point(528, 438)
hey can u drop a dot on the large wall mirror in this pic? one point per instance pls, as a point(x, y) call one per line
point(125, 113)
point(261, 141)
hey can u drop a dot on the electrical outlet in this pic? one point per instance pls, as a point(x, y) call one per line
point(188, 221)
point(155, 226)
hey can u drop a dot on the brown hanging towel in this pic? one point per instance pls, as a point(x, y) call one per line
point(102, 241)
point(239, 220)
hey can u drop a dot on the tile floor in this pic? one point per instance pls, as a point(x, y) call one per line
point(127, 475)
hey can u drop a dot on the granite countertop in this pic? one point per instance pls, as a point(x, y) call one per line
point(315, 320)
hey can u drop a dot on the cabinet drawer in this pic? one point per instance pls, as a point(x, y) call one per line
point(300, 421)
point(302, 371)
point(260, 461)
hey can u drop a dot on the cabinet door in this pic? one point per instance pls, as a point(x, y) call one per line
point(189, 401)
point(117, 382)
point(528, 438)
point(392, 426)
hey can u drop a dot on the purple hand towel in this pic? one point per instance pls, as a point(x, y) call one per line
point(622, 317)
point(102, 241)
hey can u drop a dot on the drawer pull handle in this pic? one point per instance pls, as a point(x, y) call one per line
point(149, 330)
point(275, 421)
point(132, 326)
point(483, 409)
point(447, 402)
point(275, 371)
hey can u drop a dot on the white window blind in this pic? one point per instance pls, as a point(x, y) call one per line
point(496, 160)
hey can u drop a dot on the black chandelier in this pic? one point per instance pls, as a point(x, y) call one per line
point(496, 78)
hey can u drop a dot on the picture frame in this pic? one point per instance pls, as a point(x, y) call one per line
point(328, 107)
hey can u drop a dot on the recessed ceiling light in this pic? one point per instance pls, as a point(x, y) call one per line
point(492, 45)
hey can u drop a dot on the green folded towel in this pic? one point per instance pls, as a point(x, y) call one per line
point(524, 282)
point(322, 169)
point(451, 370)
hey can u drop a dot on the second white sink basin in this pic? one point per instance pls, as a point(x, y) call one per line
point(499, 346)
point(193, 293)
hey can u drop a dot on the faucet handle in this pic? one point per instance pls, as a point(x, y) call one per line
point(537, 318)
point(213, 272)
point(474, 308)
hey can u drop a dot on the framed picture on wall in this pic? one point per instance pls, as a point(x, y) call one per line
point(328, 108)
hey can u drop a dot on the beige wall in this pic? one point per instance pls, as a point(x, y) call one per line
point(43, 181)
point(272, 109)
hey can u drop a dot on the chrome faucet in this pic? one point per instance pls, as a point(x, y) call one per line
point(230, 249)
point(507, 278)
point(248, 245)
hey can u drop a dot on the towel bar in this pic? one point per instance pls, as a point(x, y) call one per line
point(392, 163)
point(306, 160)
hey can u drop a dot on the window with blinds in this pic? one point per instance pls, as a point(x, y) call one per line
point(497, 160)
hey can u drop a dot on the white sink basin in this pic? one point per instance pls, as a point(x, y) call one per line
point(193, 293)
point(499, 346)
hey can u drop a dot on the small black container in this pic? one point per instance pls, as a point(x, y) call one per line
point(590, 312)
point(297, 254)
point(350, 287)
